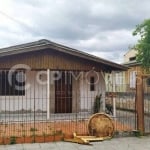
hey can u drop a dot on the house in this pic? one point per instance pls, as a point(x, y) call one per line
point(125, 81)
point(134, 68)
point(46, 77)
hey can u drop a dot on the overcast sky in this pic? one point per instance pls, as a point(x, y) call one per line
point(100, 27)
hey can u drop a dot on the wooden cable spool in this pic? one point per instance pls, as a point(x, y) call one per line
point(101, 125)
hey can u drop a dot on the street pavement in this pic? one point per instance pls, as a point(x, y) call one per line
point(126, 143)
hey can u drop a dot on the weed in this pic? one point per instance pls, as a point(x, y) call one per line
point(12, 140)
point(33, 129)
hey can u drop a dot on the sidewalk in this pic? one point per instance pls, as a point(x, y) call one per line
point(127, 143)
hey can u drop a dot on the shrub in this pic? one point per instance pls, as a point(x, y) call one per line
point(97, 103)
point(12, 140)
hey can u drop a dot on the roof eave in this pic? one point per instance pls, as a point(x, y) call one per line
point(35, 46)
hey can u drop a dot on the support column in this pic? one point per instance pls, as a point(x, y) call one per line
point(48, 93)
point(103, 89)
point(114, 90)
point(140, 103)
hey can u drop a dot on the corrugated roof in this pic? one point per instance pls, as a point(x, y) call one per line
point(43, 44)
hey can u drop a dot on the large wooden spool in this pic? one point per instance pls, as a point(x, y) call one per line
point(101, 125)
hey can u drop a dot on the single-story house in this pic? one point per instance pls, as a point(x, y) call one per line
point(44, 76)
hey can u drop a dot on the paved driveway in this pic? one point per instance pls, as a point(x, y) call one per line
point(127, 143)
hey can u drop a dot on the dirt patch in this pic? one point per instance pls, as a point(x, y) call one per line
point(51, 128)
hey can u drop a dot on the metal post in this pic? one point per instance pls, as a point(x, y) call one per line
point(113, 96)
point(140, 103)
point(48, 93)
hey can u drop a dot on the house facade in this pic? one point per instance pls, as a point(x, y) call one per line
point(46, 77)
point(134, 68)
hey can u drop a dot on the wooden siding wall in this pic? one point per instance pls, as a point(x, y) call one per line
point(52, 59)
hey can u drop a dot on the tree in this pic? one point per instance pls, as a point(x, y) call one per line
point(143, 44)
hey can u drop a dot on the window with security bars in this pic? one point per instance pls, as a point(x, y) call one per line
point(12, 83)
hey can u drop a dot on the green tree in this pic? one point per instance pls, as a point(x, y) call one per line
point(143, 44)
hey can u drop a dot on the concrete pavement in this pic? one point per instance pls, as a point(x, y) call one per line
point(126, 143)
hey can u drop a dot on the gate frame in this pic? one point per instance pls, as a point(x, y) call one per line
point(139, 101)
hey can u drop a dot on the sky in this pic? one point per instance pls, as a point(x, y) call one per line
point(99, 27)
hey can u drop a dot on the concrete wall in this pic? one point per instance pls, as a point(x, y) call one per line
point(87, 97)
point(35, 93)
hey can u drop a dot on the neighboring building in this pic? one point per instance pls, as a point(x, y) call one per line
point(125, 81)
point(130, 56)
point(115, 81)
point(44, 76)
point(134, 69)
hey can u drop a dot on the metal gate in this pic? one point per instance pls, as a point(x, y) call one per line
point(34, 106)
point(123, 103)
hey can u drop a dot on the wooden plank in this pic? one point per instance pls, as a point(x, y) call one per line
point(140, 103)
point(90, 139)
point(86, 136)
point(77, 140)
point(85, 139)
point(145, 75)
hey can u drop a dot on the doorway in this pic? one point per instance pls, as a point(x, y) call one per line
point(63, 93)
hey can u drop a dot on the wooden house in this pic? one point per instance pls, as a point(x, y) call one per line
point(47, 77)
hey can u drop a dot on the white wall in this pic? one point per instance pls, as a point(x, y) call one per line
point(36, 91)
point(119, 81)
point(129, 54)
point(87, 97)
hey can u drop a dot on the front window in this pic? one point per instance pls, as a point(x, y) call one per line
point(12, 83)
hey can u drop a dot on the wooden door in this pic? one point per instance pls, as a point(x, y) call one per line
point(63, 93)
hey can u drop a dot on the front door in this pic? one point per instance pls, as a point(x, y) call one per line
point(63, 93)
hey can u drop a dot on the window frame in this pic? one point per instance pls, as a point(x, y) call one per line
point(7, 88)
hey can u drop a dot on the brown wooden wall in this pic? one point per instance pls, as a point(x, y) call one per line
point(49, 58)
